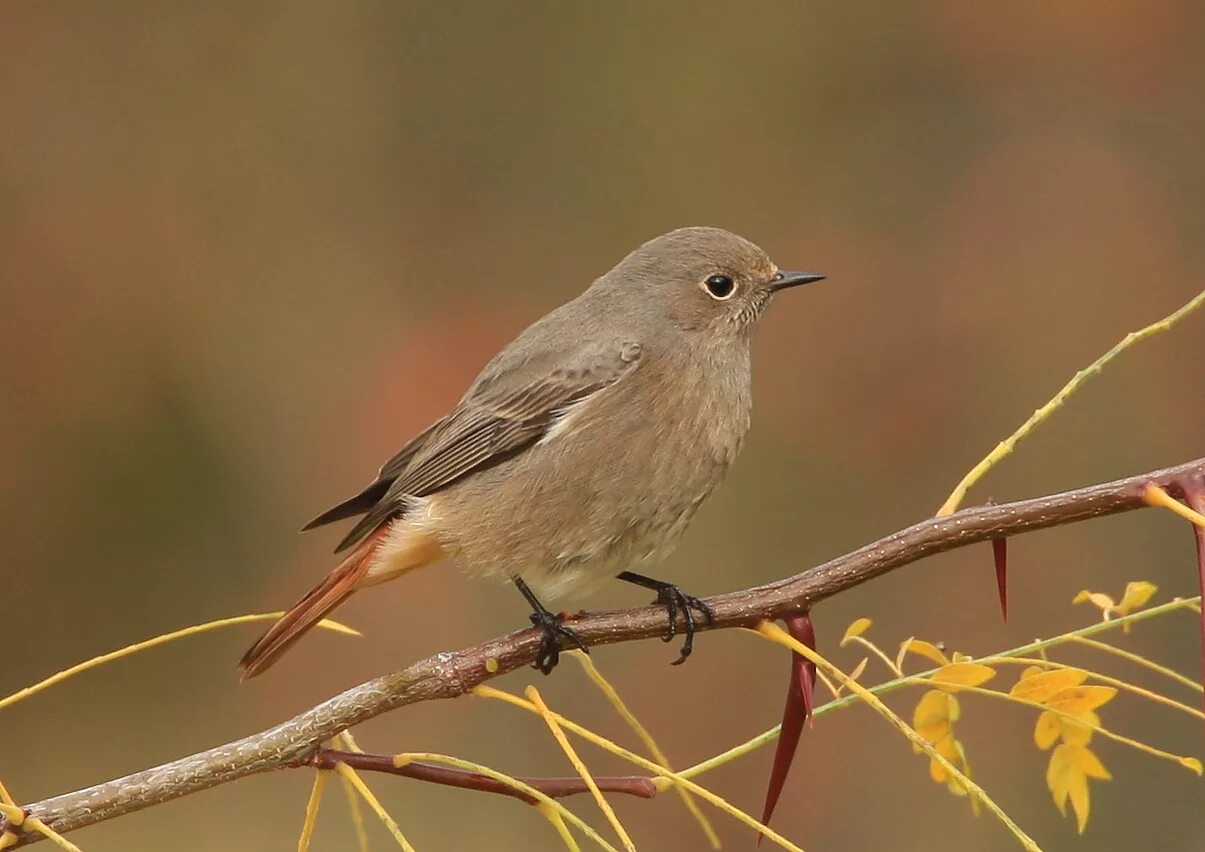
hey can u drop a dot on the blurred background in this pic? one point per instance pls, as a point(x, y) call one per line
point(246, 250)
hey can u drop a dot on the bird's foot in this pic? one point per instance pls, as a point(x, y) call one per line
point(555, 636)
point(674, 599)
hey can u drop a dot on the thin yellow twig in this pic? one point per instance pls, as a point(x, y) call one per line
point(612, 695)
point(542, 798)
point(51, 835)
point(774, 633)
point(665, 776)
point(1117, 683)
point(833, 689)
point(311, 811)
point(1037, 647)
point(154, 642)
point(558, 823)
point(1006, 446)
point(348, 742)
point(1190, 763)
point(353, 778)
point(533, 695)
point(357, 815)
point(1137, 659)
point(878, 652)
point(15, 816)
point(1156, 496)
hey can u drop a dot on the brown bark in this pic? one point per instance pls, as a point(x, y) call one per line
point(449, 675)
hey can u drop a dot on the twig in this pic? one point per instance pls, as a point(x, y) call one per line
point(452, 674)
point(554, 788)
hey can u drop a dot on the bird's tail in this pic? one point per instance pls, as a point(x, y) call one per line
point(318, 602)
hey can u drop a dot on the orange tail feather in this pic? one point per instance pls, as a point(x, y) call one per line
point(335, 588)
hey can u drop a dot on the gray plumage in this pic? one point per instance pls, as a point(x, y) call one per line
point(586, 445)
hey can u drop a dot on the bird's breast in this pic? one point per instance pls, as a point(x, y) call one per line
point(614, 484)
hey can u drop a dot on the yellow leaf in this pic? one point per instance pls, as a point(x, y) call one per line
point(947, 747)
point(1030, 671)
point(1191, 763)
point(956, 787)
point(859, 668)
point(1097, 599)
point(959, 789)
point(1056, 779)
point(899, 658)
point(933, 715)
point(1046, 733)
point(1067, 777)
point(1077, 787)
point(1080, 699)
point(1136, 595)
point(1040, 686)
point(856, 629)
point(933, 732)
point(1086, 761)
point(924, 649)
point(1079, 733)
point(933, 707)
point(962, 674)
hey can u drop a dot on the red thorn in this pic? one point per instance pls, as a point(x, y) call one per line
point(798, 709)
point(802, 629)
point(1000, 556)
point(1194, 495)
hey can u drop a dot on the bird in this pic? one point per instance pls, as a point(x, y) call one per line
point(582, 450)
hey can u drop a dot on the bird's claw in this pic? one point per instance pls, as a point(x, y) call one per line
point(555, 636)
point(674, 599)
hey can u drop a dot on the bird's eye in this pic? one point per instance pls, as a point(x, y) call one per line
point(719, 286)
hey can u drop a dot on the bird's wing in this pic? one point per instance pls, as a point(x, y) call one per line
point(505, 412)
point(370, 496)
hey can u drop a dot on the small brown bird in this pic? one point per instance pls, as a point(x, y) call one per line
point(584, 448)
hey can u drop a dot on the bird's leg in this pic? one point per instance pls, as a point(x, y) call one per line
point(673, 599)
point(555, 633)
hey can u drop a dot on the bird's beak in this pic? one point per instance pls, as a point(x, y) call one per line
point(783, 280)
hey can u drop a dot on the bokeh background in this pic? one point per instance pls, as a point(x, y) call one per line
point(246, 250)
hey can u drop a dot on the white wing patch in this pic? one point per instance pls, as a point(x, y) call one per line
point(563, 418)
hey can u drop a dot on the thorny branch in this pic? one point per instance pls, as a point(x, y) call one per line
point(452, 674)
